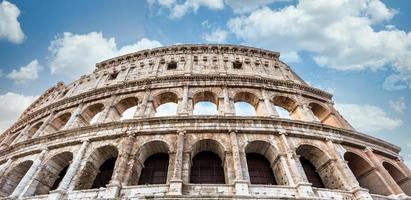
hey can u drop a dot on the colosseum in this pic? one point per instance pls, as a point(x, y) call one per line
point(76, 142)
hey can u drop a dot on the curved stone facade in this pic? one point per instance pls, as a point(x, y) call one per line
point(73, 142)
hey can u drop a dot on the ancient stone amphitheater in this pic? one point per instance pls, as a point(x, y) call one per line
point(76, 142)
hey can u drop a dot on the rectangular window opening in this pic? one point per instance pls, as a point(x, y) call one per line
point(237, 65)
point(171, 66)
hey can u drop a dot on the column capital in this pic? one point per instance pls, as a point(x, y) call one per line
point(368, 149)
point(281, 131)
point(181, 132)
point(131, 133)
point(85, 140)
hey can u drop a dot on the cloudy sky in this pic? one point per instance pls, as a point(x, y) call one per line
point(359, 50)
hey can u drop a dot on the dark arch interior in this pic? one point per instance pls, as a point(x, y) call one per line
point(207, 168)
point(400, 178)
point(106, 171)
point(259, 169)
point(59, 178)
point(312, 176)
point(155, 169)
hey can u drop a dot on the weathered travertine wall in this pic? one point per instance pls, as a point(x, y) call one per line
point(55, 149)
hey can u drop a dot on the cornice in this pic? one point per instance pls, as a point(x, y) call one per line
point(189, 49)
point(269, 126)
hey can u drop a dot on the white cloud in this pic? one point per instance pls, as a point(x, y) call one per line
point(367, 118)
point(9, 25)
point(243, 6)
point(338, 33)
point(27, 73)
point(178, 10)
point(398, 105)
point(218, 36)
point(12, 105)
point(73, 55)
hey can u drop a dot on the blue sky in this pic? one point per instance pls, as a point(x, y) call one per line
point(359, 50)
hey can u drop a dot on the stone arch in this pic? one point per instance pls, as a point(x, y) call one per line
point(250, 99)
point(92, 169)
point(13, 177)
point(205, 96)
point(318, 167)
point(324, 114)
point(51, 174)
point(365, 173)
point(399, 177)
point(90, 114)
point(268, 171)
point(162, 99)
point(122, 106)
point(286, 103)
point(34, 129)
point(58, 123)
point(208, 151)
point(148, 149)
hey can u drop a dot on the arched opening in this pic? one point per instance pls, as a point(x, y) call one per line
point(125, 108)
point(259, 170)
point(205, 103)
point(99, 168)
point(34, 129)
point(319, 111)
point(207, 166)
point(58, 123)
point(10, 181)
point(318, 167)
point(52, 173)
point(105, 172)
point(165, 104)
point(311, 173)
point(262, 164)
point(365, 174)
point(246, 104)
point(155, 170)
point(151, 165)
point(285, 107)
point(400, 178)
point(92, 113)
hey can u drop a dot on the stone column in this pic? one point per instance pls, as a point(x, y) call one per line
point(44, 125)
point(28, 178)
point(349, 180)
point(142, 107)
point(389, 182)
point(176, 182)
point(183, 107)
point(304, 189)
point(60, 192)
point(308, 114)
point(269, 107)
point(5, 167)
point(227, 103)
point(73, 117)
point(241, 185)
point(105, 114)
point(121, 168)
point(23, 134)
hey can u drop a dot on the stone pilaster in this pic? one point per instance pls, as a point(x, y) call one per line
point(183, 107)
point(28, 178)
point(176, 182)
point(23, 134)
point(388, 181)
point(142, 107)
point(268, 105)
point(108, 109)
point(74, 116)
point(5, 166)
point(241, 185)
point(61, 191)
point(45, 124)
point(304, 189)
point(228, 107)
